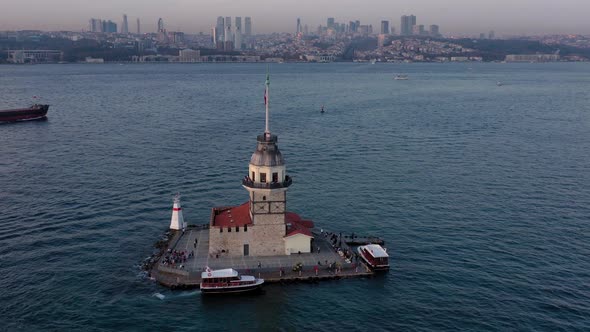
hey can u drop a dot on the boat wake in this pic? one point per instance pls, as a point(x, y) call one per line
point(175, 296)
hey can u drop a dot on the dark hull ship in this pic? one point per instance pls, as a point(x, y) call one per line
point(34, 112)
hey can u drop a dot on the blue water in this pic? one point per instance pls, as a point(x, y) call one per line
point(482, 193)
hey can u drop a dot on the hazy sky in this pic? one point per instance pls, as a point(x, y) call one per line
point(191, 16)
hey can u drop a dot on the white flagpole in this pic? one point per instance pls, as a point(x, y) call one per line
point(267, 130)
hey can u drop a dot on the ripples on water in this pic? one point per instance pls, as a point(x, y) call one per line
point(481, 192)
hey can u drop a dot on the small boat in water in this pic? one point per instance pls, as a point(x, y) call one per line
point(35, 112)
point(375, 256)
point(227, 281)
point(400, 77)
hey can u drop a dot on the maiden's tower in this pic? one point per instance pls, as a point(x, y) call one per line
point(262, 226)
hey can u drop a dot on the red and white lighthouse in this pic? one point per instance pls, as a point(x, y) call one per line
point(177, 220)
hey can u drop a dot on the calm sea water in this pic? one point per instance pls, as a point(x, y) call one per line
point(481, 192)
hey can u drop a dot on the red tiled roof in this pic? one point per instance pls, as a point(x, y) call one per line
point(296, 225)
point(296, 228)
point(231, 216)
point(291, 217)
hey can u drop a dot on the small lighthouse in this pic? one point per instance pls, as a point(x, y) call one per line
point(177, 220)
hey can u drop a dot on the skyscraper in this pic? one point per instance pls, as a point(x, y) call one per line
point(298, 26)
point(407, 23)
point(227, 35)
point(125, 25)
point(330, 23)
point(434, 30)
point(384, 27)
point(138, 27)
point(109, 26)
point(219, 29)
point(161, 25)
point(418, 30)
point(248, 26)
point(95, 25)
point(238, 34)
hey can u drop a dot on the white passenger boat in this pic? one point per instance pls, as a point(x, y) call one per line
point(375, 256)
point(400, 77)
point(228, 281)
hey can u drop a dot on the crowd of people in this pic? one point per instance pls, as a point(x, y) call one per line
point(175, 258)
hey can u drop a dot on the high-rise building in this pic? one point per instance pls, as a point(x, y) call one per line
point(298, 31)
point(404, 25)
point(434, 30)
point(418, 30)
point(227, 36)
point(330, 23)
point(95, 25)
point(384, 27)
point(248, 26)
point(219, 29)
point(492, 34)
point(125, 25)
point(109, 26)
point(407, 23)
point(161, 25)
point(138, 27)
point(238, 34)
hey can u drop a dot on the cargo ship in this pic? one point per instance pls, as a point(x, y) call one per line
point(35, 112)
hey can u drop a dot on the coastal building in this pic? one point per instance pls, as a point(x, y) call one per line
point(262, 226)
point(532, 57)
point(138, 27)
point(189, 55)
point(34, 56)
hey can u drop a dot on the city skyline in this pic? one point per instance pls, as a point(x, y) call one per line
point(454, 16)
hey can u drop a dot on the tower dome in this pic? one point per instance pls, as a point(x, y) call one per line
point(267, 152)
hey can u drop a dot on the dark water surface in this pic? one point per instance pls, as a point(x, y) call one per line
point(481, 192)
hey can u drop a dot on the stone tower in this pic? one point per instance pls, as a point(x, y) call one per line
point(267, 184)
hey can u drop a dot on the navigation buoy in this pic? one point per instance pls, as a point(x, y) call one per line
point(177, 220)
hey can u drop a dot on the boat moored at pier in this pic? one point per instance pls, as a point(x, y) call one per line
point(228, 281)
point(375, 256)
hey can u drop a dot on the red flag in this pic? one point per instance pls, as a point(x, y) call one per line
point(265, 99)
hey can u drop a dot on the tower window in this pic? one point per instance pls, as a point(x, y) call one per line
point(237, 229)
point(245, 228)
point(220, 229)
point(229, 229)
point(253, 176)
point(264, 198)
point(275, 177)
point(263, 177)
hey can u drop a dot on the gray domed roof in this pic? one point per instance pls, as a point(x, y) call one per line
point(267, 152)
